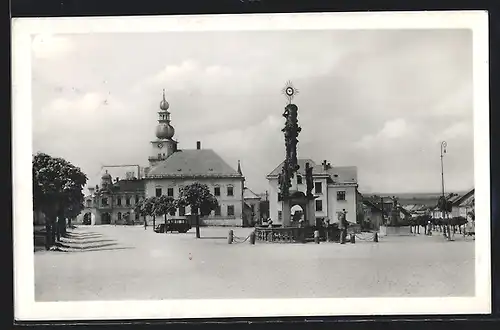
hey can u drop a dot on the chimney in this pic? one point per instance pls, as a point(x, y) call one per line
point(198, 145)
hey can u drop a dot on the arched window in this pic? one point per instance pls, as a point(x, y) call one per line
point(119, 215)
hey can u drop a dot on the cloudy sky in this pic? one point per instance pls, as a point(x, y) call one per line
point(378, 99)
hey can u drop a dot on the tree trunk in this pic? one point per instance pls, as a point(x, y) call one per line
point(154, 221)
point(165, 223)
point(48, 235)
point(197, 218)
point(58, 229)
point(63, 226)
point(53, 230)
point(145, 222)
point(69, 222)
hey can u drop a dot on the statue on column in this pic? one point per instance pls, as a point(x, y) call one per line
point(291, 131)
point(309, 180)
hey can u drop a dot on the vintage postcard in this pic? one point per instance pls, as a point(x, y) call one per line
point(251, 165)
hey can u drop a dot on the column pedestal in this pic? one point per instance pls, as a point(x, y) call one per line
point(311, 212)
point(286, 213)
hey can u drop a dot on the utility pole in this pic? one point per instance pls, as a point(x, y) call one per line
point(382, 208)
point(444, 202)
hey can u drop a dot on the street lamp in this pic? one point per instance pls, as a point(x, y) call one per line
point(443, 199)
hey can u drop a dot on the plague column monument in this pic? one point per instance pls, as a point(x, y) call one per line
point(291, 166)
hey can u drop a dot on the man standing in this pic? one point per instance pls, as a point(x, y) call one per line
point(343, 225)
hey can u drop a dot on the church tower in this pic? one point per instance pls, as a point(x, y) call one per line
point(164, 145)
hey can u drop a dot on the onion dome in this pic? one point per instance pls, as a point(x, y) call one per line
point(164, 104)
point(164, 131)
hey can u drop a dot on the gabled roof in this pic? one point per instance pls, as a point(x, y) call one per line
point(371, 204)
point(340, 174)
point(460, 199)
point(129, 186)
point(248, 194)
point(193, 163)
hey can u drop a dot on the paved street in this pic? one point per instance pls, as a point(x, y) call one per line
point(116, 263)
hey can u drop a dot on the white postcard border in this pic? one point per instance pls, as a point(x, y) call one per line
point(27, 309)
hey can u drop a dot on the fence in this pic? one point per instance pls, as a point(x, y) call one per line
point(296, 234)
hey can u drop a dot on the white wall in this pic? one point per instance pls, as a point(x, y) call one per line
point(274, 205)
point(335, 206)
point(224, 199)
point(328, 198)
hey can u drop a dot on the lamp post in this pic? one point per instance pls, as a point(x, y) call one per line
point(443, 200)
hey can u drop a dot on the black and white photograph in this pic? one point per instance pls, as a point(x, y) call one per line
point(251, 165)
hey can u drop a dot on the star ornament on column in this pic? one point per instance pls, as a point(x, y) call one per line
point(289, 91)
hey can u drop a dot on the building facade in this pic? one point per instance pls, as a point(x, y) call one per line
point(170, 169)
point(251, 208)
point(335, 188)
point(113, 202)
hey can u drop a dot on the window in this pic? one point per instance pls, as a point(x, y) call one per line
point(158, 192)
point(104, 202)
point(170, 192)
point(341, 195)
point(230, 191)
point(318, 188)
point(217, 211)
point(118, 201)
point(299, 179)
point(230, 210)
point(319, 205)
point(280, 215)
point(136, 216)
point(159, 156)
point(252, 207)
point(217, 191)
point(182, 211)
point(127, 201)
point(119, 215)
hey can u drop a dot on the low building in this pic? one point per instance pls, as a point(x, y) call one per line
point(372, 214)
point(335, 188)
point(251, 208)
point(463, 205)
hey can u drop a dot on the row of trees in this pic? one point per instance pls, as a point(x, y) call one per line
point(57, 193)
point(196, 195)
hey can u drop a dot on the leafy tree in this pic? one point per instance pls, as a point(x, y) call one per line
point(149, 208)
point(200, 200)
point(165, 205)
point(139, 209)
point(57, 192)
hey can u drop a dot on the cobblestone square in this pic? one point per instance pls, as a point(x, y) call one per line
point(130, 263)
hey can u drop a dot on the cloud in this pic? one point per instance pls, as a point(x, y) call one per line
point(376, 99)
point(393, 131)
point(46, 46)
point(461, 129)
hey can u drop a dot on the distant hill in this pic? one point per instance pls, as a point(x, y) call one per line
point(429, 199)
